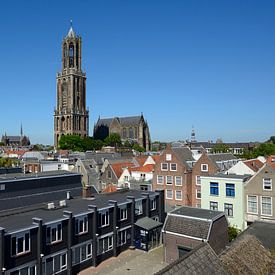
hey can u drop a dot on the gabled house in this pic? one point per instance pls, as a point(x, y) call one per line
point(259, 196)
point(246, 167)
point(173, 173)
point(206, 165)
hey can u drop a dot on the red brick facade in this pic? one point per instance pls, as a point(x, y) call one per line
point(176, 193)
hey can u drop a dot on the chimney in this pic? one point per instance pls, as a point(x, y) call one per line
point(68, 195)
point(86, 192)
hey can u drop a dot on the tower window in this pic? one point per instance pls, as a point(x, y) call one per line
point(71, 55)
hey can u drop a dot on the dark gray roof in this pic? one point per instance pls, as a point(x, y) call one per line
point(147, 223)
point(201, 260)
point(23, 216)
point(264, 231)
point(100, 157)
point(184, 154)
point(197, 213)
point(229, 144)
point(221, 157)
point(188, 227)
point(124, 121)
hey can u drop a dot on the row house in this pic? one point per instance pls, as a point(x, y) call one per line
point(259, 196)
point(179, 174)
point(222, 192)
point(79, 233)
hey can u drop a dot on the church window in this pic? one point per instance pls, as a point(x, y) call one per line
point(124, 133)
point(131, 133)
point(71, 55)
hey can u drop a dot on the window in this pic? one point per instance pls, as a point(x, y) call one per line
point(20, 244)
point(164, 166)
point(267, 184)
point(204, 167)
point(153, 204)
point(252, 204)
point(54, 233)
point(213, 205)
point(81, 225)
point(169, 180)
point(169, 194)
point(159, 179)
point(105, 244)
point(173, 167)
point(198, 194)
point(168, 157)
point(2, 187)
point(178, 180)
point(54, 264)
point(178, 195)
point(104, 218)
point(214, 188)
point(198, 180)
point(109, 174)
point(121, 237)
point(230, 189)
point(123, 213)
point(138, 207)
point(228, 209)
point(27, 270)
point(81, 253)
point(267, 206)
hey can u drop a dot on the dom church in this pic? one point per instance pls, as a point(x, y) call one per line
point(71, 116)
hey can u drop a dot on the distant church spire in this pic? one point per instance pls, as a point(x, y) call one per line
point(193, 135)
point(21, 130)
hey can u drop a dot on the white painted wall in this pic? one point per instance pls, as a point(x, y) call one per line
point(240, 169)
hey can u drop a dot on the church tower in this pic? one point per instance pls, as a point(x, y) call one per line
point(71, 116)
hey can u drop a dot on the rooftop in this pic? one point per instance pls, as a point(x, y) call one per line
point(228, 176)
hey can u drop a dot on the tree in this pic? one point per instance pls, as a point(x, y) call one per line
point(73, 142)
point(113, 140)
point(2, 143)
point(233, 232)
point(90, 144)
point(271, 140)
point(220, 148)
point(7, 162)
point(138, 148)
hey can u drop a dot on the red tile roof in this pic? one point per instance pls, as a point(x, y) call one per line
point(271, 161)
point(141, 159)
point(119, 167)
point(110, 188)
point(17, 152)
point(254, 164)
point(156, 158)
point(146, 168)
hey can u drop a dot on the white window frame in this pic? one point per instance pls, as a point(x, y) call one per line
point(270, 183)
point(168, 157)
point(154, 204)
point(174, 170)
point(216, 203)
point(204, 170)
point(159, 176)
point(19, 236)
point(110, 243)
point(138, 207)
point(247, 204)
point(176, 180)
point(57, 227)
point(166, 194)
point(271, 206)
point(82, 225)
point(162, 166)
point(62, 267)
point(199, 184)
point(106, 218)
point(123, 214)
point(229, 216)
point(122, 232)
point(180, 195)
point(80, 247)
point(167, 180)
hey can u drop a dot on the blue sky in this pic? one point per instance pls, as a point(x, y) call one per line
point(210, 64)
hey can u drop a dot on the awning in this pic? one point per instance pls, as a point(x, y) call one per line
point(147, 223)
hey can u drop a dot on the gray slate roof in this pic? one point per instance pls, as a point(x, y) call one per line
point(201, 260)
point(184, 154)
point(147, 223)
point(124, 121)
point(221, 157)
point(186, 226)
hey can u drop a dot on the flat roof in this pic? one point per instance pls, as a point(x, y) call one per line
point(228, 176)
point(17, 219)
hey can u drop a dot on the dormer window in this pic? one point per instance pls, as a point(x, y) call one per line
point(54, 233)
point(20, 244)
point(104, 218)
point(81, 225)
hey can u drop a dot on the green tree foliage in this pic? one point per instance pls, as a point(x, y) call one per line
point(138, 148)
point(220, 148)
point(77, 143)
point(113, 140)
point(271, 140)
point(2, 143)
point(264, 149)
point(233, 232)
point(7, 162)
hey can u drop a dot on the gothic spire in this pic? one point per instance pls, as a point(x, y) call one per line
point(71, 32)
